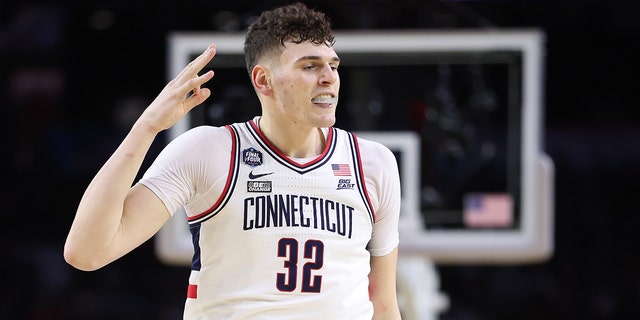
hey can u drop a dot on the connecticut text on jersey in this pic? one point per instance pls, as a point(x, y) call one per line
point(290, 210)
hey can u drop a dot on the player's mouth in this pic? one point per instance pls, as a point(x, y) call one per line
point(325, 99)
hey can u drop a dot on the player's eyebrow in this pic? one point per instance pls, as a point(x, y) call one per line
point(334, 59)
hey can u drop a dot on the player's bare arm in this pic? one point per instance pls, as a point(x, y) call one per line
point(382, 286)
point(113, 218)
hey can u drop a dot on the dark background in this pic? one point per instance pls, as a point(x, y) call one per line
point(74, 75)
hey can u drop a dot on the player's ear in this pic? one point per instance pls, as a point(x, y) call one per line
point(261, 79)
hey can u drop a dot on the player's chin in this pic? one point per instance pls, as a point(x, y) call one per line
point(326, 120)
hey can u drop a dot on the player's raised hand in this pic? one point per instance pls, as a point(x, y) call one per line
point(180, 95)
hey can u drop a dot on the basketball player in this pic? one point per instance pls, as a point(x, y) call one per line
point(291, 218)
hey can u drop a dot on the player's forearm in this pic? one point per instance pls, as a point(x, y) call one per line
point(95, 229)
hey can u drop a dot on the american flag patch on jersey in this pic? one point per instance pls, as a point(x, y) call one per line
point(341, 170)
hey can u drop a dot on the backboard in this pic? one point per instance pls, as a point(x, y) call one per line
point(462, 112)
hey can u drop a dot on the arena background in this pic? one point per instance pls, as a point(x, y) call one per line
point(74, 75)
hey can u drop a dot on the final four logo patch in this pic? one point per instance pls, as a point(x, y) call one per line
point(252, 157)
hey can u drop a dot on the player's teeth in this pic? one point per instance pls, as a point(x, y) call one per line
point(325, 98)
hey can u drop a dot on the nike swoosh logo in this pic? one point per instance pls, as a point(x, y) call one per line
point(258, 175)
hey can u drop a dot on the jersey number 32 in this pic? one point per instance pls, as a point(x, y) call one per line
point(313, 254)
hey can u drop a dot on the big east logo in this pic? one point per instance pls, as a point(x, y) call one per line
point(345, 184)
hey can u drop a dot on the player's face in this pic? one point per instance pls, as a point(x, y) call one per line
point(306, 84)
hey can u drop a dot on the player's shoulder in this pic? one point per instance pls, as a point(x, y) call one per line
point(203, 134)
point(207, 131)
point(372, 153)
point(367, 143)
point(372, 148)
point(199, 139)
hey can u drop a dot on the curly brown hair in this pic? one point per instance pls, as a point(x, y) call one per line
point(295, 22)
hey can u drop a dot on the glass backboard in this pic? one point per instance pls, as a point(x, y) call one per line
point(461, 110)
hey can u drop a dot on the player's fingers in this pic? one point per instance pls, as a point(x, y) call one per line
point(193, 84)
point(196, 99)
point(206, 56)
point(195, 66)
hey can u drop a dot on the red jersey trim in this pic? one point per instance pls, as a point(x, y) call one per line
point(192, 291)
point(231, 177)
point(358, 160)
point(282, 156)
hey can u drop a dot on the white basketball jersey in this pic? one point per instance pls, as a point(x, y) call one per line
point(280, 239)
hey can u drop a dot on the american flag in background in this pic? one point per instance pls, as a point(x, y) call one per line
point(488, 210)
point(341, 170)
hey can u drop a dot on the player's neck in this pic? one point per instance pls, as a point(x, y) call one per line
point(293, 141)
